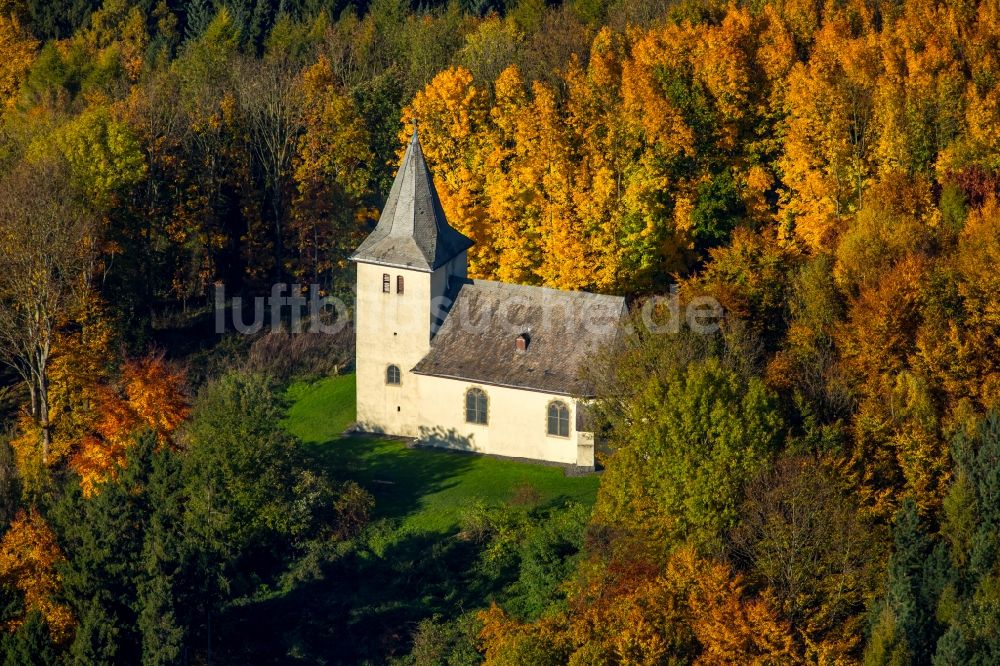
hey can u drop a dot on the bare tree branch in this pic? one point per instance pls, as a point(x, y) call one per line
point(46, 256)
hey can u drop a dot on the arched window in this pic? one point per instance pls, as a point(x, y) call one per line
point(392, 375)
point(475, 406)
point(558, 419)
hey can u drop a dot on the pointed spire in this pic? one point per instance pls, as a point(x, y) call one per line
point(412, 231)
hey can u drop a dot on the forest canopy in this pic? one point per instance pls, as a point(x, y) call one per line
point(815, 483)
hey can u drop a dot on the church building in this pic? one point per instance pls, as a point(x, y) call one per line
point(468, 364)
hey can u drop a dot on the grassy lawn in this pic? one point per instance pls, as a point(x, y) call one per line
point(425, 490)
point(360, 601)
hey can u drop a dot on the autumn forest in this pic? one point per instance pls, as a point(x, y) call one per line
point(816, 483)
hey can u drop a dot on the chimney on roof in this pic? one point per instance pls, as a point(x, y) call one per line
point(521, 344)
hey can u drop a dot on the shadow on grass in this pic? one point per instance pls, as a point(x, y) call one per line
point(366, 598)
point(397, 476)
point(364, 608)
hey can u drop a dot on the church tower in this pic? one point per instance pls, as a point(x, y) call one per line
point(403, 266)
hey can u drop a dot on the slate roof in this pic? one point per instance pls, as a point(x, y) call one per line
point(412, 231)
point(477, 341)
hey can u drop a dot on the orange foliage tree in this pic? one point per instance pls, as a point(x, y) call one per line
point(29, 561)
point(149, 396)
point(632, 611)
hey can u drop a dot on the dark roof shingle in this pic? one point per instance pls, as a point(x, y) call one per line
point(478, 340)
point(412, 231)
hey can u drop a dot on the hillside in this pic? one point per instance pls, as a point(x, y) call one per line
point(423, 491)
point(813, 480)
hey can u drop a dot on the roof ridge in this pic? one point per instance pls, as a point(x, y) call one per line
point(514, 285)
point(476, 340)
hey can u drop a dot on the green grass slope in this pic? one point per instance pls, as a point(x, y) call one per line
point(426, 490)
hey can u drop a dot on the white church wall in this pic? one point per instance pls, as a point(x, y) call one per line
point(391, 329)
point(517, 422)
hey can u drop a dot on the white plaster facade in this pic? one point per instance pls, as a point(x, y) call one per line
point(408, 268)
point(518, 423)
point(396, 329)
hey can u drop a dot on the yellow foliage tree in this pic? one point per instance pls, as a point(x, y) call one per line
point(877, 341)
point(512, 186)
point(118, 31)
point(451, 112)
point(17, 54)
point(827, 160)
point(29, 561)
point(330, 175)
point(79, 368)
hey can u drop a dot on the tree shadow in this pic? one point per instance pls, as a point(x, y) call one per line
point(365, 605)
point(365, 598)
point(442, 438)
point(397, 474)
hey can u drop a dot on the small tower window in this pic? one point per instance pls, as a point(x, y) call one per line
point(475, 407)
point(399, 284)
point(386, 284)
point(521, 343)
point(392, 375)
point(558, 419)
